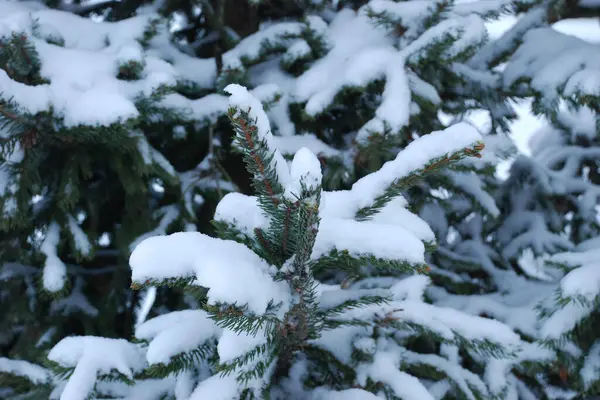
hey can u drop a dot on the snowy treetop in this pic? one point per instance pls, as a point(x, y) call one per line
point(390, 234)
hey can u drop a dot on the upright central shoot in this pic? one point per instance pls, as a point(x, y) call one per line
point(289, 199)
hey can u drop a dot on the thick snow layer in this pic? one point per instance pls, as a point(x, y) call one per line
point(471, 185)
point(251, 46)
point(385, 369)
point(92, 356)
point(398, 233)
point(212, 262)
point(447, 321)
point(338, 341)
point(212, 106)
point(192, 328)
point(242, 211)
point(305, 172)
point(217, 387)
point(395, 213)
point(582, 285)
point(551, 60)
point(235, 344)
point(365, 238)
point(582, 281)
point(147, 389)
point(83, 87)
point(413, 157)
point(25, 369)
point(461, 377)
point(365, 53)
point(396, 238)
point(348, 394)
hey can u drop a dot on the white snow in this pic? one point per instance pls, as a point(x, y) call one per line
point(252, 46)
point(242, 211)
point(395, 213)
point(413, 157)
point(91, 356)
point(217, 387)
point(550, 59)
point(212, 262)
point(144, 305)
point(192, 328)
point(25, 369)
point(385, 369)
point(348, 394)
point(591, 366)
point(82, 243)
point(55, 271)
point(289, 145)
point(235, 344)
point(585, 280)
point(244, 101)
point(581, 285)
point(83, 87)
point(361, 52)
point(305, 171)
point(367, 238)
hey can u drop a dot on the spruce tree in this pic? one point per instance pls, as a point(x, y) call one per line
point(272, 322)
point(100, 148)
point(551, 199)
point(354, 82)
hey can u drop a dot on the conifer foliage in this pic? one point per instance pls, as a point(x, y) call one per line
point(86, 171)
point(553, 196)
point(361, 245)
point(270, 325)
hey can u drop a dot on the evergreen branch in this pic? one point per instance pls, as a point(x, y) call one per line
point(116, 376)
point(328, 368)
point(330, 324)
point(379, 387)
point(424, 370)
point(560, 301)
point(178, 282)
point(583, 332)
point(238, 362)
point(486, 348)
point(263, 240)
point(228, 231)
point(342, 260)
point(236, 318)
point(354, 303)
point(258, 158)
point(59, 371)
point(258, 370)
point(20, 59)
point(18, 127)
point(20, 384)
point(483, 347)
point(180, 362)
point(297, 233)
point(396, 188)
